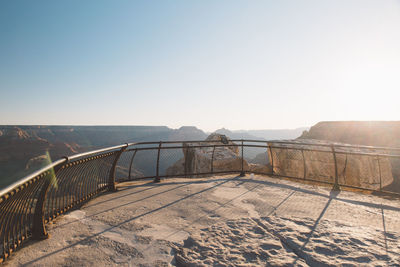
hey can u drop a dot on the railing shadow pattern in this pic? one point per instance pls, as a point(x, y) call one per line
point(27, 205)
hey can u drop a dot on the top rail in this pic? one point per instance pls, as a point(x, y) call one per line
point(31, 176)
point(273, 141)
point(89, 153)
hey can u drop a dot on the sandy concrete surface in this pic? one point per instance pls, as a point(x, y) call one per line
point(222, 221)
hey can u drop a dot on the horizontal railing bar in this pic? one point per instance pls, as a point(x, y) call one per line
point(330, 144)
point(367, 154)
point(337, 152)
point(269, 146)
point(271, 141)
point(96, 151)
point(179, 142)
point(196, 146)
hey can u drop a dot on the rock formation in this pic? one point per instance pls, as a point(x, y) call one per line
point(353, 170)
point(212, 159)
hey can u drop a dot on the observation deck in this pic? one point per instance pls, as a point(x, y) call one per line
point(226, 220)
point(218, 212)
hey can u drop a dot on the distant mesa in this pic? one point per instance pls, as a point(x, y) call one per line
point(186, 133)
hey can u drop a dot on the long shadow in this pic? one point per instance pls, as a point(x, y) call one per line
point(281, 203)
point(131, 219)
point(384, 229)
point(220, 206)
point(152, 186)
point(125, 204)
point(118, 197)
point(332, 195)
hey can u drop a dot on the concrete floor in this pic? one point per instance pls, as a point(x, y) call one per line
point(140, 223)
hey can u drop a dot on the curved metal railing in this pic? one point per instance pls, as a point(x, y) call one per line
point(27, 205)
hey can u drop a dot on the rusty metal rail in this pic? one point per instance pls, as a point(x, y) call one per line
point(27, 205)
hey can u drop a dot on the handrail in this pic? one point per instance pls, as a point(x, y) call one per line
point(97, 151)
point(31, 176)
point(57, 162)
point(300, 142)
point(61, 186)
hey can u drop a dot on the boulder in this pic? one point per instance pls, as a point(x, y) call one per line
point(258, 168)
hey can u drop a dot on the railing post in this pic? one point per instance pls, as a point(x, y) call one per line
point(380, 174)
point(184, 148)
point(272, 160)
point(157, 178)
point(130, 166)
point(111, 181)
point(39, 229)
point(242, 173)
point(336, 184)
point(212, 160)
point(304, 165)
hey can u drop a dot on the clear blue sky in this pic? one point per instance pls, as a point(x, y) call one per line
point(234, 64)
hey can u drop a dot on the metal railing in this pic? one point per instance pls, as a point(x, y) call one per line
point(27, 205)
